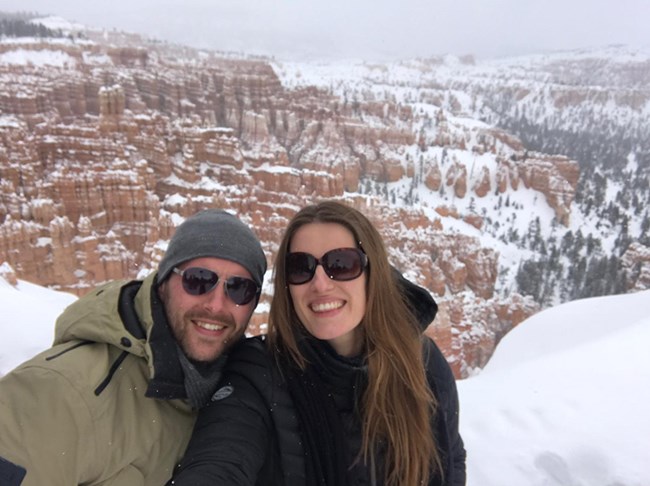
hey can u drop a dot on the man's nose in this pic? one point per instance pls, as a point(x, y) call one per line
point(217, 298)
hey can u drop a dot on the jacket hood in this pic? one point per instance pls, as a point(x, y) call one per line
point(420, 301)
point(96, 317)
point(129, 316)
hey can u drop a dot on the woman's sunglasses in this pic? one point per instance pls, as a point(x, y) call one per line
point(341, 264)
point(199, 281)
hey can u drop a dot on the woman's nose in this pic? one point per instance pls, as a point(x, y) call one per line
point(321, 280)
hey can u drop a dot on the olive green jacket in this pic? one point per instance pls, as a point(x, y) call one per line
point(105, 405)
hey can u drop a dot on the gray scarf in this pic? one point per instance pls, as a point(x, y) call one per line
point(200, 381)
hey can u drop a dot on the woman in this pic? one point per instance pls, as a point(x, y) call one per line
point(346, 390)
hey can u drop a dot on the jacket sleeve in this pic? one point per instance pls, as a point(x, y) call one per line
point(443, 384)
point(457, 450)
point(231, 437)
point(45, 429)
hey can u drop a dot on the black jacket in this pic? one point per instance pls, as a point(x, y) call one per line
point(250, 434)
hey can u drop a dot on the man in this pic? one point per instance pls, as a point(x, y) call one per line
point(113, 402)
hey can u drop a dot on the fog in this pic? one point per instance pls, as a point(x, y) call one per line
point(364, 29)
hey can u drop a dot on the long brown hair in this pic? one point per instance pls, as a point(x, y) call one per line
point(397, 405)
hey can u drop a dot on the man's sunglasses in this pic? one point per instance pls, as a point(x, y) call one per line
point(341, 264)
point(199, 281)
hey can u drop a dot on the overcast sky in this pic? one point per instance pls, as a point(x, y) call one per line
point(367, 29)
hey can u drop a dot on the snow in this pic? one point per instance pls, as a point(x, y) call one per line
point(431, 87)
point(27, 320)
point(45, 57)
point(562, 401)
point(450, 94)
point(9, 121)
point(55, 23)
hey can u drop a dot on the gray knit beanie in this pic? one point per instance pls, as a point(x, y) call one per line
point(214, 233)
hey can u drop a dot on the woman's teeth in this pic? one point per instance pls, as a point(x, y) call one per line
point(326, 306)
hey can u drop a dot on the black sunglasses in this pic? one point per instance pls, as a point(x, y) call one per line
point(340, 264)
point(199, 281)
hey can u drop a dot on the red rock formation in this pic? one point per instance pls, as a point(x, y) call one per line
point(554, 176)
point(457, 178)
point(482, 184)
point(446, 211)
point(474, 219)
point(636, 264)
point(469, 347)
point(102, 163)
point(7, 273)
point(507, 176)
point(433, 177)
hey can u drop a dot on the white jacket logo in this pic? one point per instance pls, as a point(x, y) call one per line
point(221, 393)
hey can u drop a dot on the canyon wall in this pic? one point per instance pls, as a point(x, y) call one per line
point(102, 155)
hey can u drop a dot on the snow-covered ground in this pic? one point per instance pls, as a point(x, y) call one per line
point(563, 400)
point(561, 403)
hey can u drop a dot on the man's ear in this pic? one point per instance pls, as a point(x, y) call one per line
point(161, 288)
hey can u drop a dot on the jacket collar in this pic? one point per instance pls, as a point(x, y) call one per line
point(421, 303)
